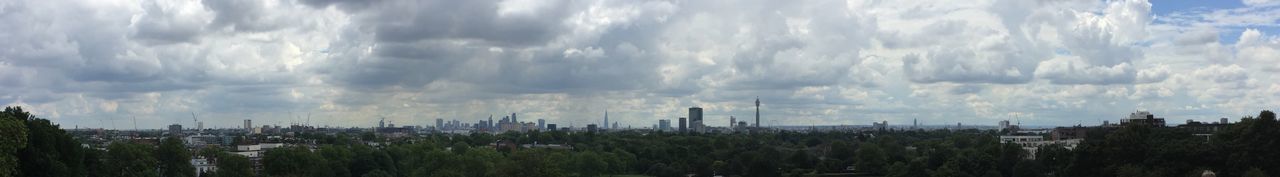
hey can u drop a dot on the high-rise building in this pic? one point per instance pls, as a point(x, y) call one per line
point(615, 126)
point(684, 124)
point(551, 127)
point(542, 124)
point(1222, 121)
point(439, 124)
point(592, 128)
point(248, 125)
point(664, 124)
point(695, 119)
point(757, 112)
point(513, 118)
point(199, 126)
point(175, 130)
point(606, 119)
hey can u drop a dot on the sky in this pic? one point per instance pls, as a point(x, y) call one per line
point(102, 64)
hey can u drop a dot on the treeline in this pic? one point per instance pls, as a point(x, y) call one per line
point(1243, 149)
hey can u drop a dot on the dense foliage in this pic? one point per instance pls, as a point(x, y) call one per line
point(1242, 149)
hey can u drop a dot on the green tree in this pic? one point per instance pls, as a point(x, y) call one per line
point(130, 160)
point(1028, 169)
point(871, 159)
point(175, 160)
point(50, 151)
point(13, 137)
point(232, 165)
point(377, 173)
point(1255, 172)
point(294, 161)
point(590, 164)
point(531, 163)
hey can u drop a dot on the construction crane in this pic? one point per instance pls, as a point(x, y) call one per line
point(196, 122)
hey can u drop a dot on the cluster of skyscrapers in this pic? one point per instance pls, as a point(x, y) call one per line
point(694, 122)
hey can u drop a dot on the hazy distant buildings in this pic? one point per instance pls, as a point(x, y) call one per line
point(592, 128)
point(732, 121)
point(695, 119)
point(551, 127)
point(248, 125)
point(882, 125)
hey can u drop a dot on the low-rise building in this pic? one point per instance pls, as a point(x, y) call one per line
point(1032, 143)
point(202, 165)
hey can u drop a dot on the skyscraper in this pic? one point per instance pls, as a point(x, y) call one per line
point(513, 118)
point(757, 112)
point(439, 124)
point(606, 119)
point(664, 124)
point(248, 125)
point(695, 119)
point(542, 124)
point(683, 125)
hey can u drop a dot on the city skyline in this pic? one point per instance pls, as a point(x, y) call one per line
point(352, 64)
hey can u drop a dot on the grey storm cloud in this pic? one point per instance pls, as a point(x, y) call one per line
point(838, 62)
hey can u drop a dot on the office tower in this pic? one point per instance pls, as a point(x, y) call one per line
point(1222, 121)
point(248, 125)
point(382, 123)
point(606, 119)
point(592, 128)
point(513, 118)
point(664, 124)
point(175, 130)
point(683, 125)
point(542, 124)
point(757, 112)
point(199, 126)
point(695, 119)
point(551, 127)
point(439, 124)
point(915, 123)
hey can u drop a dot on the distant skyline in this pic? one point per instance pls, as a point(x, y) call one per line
point(350, 63)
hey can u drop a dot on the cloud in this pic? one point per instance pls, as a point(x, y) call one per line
point(349, 62)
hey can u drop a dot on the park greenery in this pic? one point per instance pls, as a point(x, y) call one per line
point(32, 146)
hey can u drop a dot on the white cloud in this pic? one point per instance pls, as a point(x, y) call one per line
point(1053, 62)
